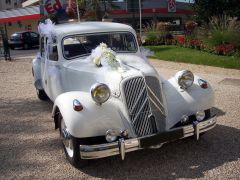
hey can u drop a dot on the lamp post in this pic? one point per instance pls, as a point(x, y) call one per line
point(78, 14)
point(140, 19)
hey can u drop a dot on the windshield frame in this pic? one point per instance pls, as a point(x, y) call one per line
point(110, 32)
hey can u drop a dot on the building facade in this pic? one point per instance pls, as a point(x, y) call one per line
point(10, 4)
point(23, 15)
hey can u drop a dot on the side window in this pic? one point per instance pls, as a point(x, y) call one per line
point(34, 35)
point(26, 35)
point(52, 50)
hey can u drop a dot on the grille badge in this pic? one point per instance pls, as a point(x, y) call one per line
point(116, 93)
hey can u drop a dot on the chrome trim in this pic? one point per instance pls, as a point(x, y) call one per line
point(94, 87)
point(124, 146)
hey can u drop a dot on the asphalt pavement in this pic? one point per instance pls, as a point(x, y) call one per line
point(20, 53)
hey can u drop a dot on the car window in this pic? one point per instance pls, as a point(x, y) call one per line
point(34, 35)
point(42, 50)
point(82, 45)
point(26, 35)
point(15, 36)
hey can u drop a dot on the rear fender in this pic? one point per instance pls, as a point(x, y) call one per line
point(36, 70)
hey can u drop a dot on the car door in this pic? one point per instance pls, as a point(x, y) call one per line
point(53, 78)
point(43, 60)
point(27, 39)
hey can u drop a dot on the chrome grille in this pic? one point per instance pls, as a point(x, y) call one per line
point(139, 106)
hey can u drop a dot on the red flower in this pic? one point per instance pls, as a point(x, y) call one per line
point(225, 49)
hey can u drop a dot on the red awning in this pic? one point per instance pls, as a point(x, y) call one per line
point(20, 14)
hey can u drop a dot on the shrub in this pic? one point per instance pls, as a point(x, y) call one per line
point(181, 40)
point(225, 49)
point(157, 33)
point(221, 31)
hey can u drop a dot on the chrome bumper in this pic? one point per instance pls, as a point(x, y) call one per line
point(124, 146)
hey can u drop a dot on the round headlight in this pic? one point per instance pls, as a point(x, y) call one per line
point(184, 78)
point(100, 93)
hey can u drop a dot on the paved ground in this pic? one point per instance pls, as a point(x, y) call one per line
point(30, 147)
point(22, 53)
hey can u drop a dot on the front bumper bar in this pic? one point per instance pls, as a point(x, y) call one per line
point(124, 146)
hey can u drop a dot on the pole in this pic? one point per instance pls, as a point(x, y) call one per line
point(140, 16)
point(78, 14)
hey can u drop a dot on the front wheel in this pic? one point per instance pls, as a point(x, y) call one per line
point(42, 95)
point(70, 145)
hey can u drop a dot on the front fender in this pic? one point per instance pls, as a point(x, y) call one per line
point(93, 120)
point(185, 102)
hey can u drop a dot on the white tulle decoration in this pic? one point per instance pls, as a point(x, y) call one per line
point(102, 55)
point(47, 29)
point(146, 52)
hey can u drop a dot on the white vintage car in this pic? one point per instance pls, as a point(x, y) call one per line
point(108, 99)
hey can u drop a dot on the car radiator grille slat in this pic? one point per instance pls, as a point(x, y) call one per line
point(136, 92)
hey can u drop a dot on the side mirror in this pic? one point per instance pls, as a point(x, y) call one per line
point(53, 53)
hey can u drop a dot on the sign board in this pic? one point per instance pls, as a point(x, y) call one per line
point(171, 5)
point(53, 6)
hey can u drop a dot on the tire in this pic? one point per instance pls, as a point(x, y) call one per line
point(70, 146)
point(42, 95)
point(12, 47)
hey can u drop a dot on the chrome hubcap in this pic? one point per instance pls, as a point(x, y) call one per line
point(67, 142)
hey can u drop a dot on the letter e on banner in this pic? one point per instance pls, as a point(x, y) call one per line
point(51, 6)
point(171, 5)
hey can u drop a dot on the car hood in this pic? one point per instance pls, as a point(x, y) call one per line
point(81, 74)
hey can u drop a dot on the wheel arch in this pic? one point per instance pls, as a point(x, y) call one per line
point(55, 113)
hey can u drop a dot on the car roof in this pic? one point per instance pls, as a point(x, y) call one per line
point(89, 27)
point(24, 32)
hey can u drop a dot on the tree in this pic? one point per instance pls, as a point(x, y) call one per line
point(96, 6)
point(208, 8)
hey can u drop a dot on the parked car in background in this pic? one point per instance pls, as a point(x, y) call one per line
point(108, 99)
point(24, 40)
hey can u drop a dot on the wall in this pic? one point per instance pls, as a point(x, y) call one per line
point(10, 4)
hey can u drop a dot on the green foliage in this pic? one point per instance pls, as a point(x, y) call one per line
point(193, 56)
point(95, 5)
point(157, 33)
point(221, 30)
point(208, 8)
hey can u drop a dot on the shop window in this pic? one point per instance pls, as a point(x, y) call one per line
point(19, 24)
point(8, 1)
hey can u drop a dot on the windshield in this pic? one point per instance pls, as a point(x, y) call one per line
point(16, 36)
point(82, 45)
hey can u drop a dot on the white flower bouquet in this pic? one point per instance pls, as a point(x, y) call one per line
point(104, 55)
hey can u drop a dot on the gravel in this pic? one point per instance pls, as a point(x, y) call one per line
point(30, 147)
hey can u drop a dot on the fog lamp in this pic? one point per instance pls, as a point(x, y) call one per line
point(124, 133)
point(184, 119)
point(200, 115)
point(111, 135)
